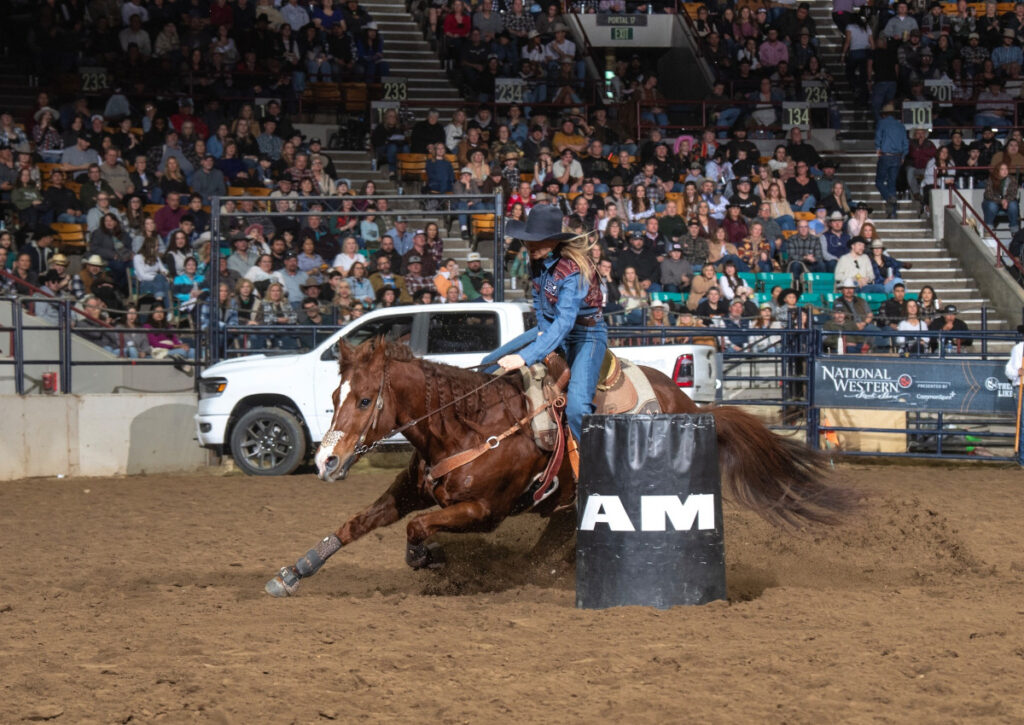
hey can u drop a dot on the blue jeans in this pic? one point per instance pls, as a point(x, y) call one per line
point(726, 119)
point(461, 205)
point(991, 208)
point(886, 173)
point(390, 153)
point(808, 204)
point(159, 287)
point(990, 120)
point(584, 351)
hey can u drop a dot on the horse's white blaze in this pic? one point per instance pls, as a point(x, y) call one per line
point(332, 436)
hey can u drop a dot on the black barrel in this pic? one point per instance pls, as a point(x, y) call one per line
point(649, 523)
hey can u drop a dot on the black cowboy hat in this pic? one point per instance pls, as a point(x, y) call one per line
point(543, 225)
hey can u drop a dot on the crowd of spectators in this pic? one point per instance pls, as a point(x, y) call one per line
point(686, 216)
point(763, 55)
point(212, 50)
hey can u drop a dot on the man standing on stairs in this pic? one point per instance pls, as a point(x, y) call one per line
point(891, 145)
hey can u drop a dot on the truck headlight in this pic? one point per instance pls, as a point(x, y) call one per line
point(212, 387)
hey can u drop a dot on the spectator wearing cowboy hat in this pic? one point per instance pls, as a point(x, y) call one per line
point(857, 309)
point(892, 146)
point(51, 284)
point(81, 283)
point(475, 277)
point(856, 265)
point(510, 169)
point(834, 242)
point(40, 249)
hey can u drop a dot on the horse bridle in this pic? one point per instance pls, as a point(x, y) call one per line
point(361, 449)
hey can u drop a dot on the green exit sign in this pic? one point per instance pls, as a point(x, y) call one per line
point(622, 33)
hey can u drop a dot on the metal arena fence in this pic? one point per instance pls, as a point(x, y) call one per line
point(948, 404)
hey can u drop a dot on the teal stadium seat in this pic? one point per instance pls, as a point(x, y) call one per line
point(819, 282)
point(874, 299)
point(767, 280)
point(667, 297)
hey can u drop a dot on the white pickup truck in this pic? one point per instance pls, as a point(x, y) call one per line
point(270, 411)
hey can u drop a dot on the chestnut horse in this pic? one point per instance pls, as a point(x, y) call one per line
point(446, 410)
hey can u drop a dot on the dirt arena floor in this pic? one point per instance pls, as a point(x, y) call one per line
point(141, 600)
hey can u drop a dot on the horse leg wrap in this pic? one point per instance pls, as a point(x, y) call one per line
point(309, 564)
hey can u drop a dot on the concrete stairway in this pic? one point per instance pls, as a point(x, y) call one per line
point(410, 56)
point(16, 97)
point(857, 121)
point(908, 237)
point(356, 167)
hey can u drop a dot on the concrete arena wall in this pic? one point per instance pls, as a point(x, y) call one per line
point(98, 435)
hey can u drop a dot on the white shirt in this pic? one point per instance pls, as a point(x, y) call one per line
point(567, 47)
point(344, 262)
point(1014, 363)
point(147, 272)
point(905, 326)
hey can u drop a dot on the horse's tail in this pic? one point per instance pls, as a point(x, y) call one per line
point(779, 478)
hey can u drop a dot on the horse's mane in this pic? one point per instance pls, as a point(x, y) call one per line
point(444, 384)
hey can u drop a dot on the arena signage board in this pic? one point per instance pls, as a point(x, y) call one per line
point(796, 115)
point(941, 91)
point(815, 94)
point(509, 90)
point(917, 114)
point(927, 385)
point(395, 88)
point(637, 19)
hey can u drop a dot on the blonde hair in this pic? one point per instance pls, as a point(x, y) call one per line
point(578, 250)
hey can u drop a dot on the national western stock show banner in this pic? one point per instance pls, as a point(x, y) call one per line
point(927, 385)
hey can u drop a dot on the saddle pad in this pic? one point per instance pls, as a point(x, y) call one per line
point(545, 431)
point(629, 392)
point(625, 390)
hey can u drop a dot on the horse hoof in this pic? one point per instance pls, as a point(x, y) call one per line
point(425, 556)
point(283, 585)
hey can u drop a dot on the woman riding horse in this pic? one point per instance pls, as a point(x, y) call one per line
point(567, 300)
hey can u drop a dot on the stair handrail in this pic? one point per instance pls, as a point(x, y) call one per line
point(580, 33)
point(38, 292)
point(1001, 249)
point(695, 41)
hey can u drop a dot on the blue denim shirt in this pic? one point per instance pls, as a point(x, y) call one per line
point(555, 321)
point(891, 137)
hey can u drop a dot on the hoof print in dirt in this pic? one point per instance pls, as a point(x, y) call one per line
point(424, 556)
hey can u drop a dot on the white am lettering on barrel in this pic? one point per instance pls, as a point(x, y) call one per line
point(655, 513)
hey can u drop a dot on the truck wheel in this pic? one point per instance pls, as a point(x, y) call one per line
point(268, 442)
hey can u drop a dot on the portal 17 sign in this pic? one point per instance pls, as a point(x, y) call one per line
point(930, 385)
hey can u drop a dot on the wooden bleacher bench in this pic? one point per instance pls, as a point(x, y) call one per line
point(71, 236)
point(412, 167)
point(482, 226)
